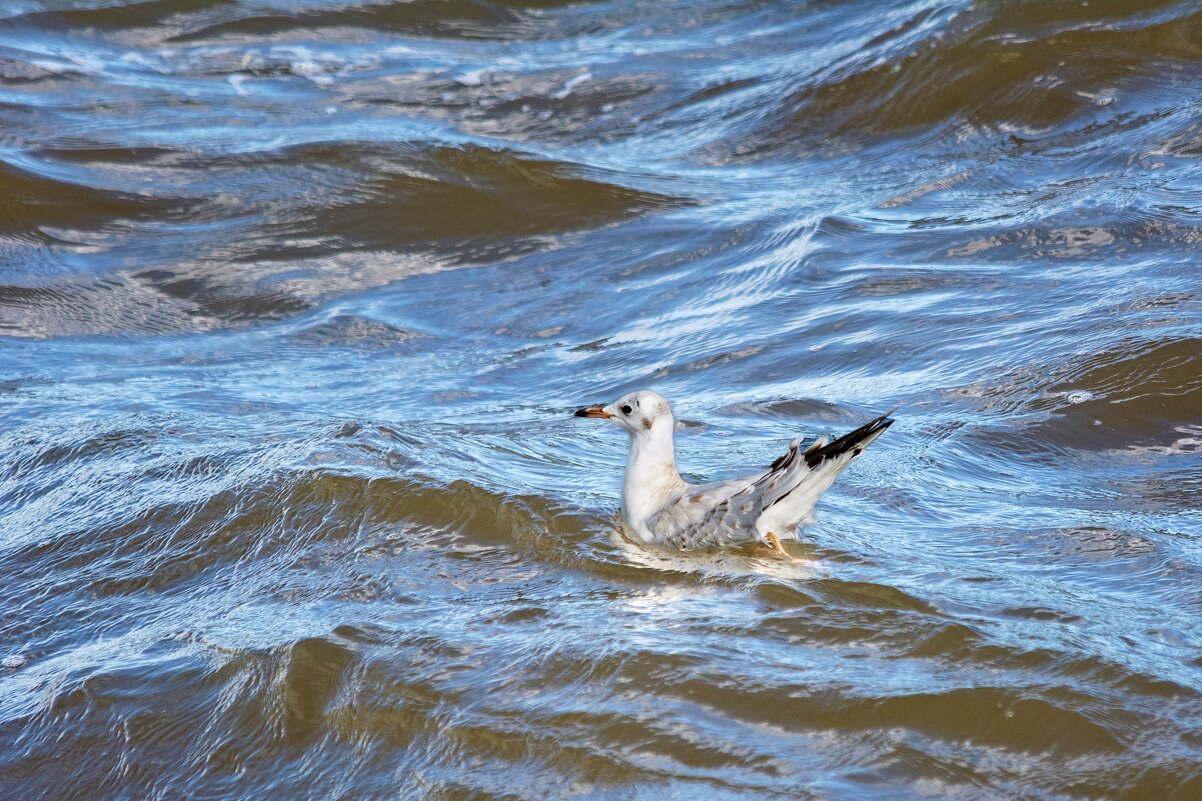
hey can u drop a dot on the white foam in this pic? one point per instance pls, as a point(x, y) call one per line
point(567, 88)
point(471, 77)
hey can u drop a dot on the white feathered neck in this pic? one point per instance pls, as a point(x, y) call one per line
point(651, 477)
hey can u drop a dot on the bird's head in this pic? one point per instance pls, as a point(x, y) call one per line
point(637, 413)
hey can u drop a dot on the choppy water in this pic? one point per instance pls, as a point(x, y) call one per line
point(296, 298)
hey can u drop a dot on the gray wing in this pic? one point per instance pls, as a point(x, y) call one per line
point(779, 498)
point(711, 514)
point(726, 512)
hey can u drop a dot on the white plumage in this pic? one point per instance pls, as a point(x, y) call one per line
point(661, 508)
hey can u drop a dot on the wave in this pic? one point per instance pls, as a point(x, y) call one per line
point(1025, 70)
point(409, 208)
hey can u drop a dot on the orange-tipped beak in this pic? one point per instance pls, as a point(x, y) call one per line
point(593, 411)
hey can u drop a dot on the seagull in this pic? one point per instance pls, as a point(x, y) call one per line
point(663, 509)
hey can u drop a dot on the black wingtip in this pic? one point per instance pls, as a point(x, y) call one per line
point(852, 441)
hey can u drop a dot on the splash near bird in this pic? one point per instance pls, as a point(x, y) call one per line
point(661, 508)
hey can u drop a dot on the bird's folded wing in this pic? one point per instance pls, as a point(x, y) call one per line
point(785, 474)
point(727, 512)
point(711, 514)
point(734, 511)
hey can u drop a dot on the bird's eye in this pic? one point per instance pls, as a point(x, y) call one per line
point(625, 408)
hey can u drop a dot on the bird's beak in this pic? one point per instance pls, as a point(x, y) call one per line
point(593, 411)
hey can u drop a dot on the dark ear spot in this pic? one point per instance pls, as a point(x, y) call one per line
point(647, 422)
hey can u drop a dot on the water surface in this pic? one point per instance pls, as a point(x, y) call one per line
point(296, 298)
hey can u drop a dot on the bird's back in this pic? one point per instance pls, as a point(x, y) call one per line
point(777, 500)
point(722, 513)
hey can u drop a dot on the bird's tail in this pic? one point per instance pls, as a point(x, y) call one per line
point(853, 442)
point(823, 464)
